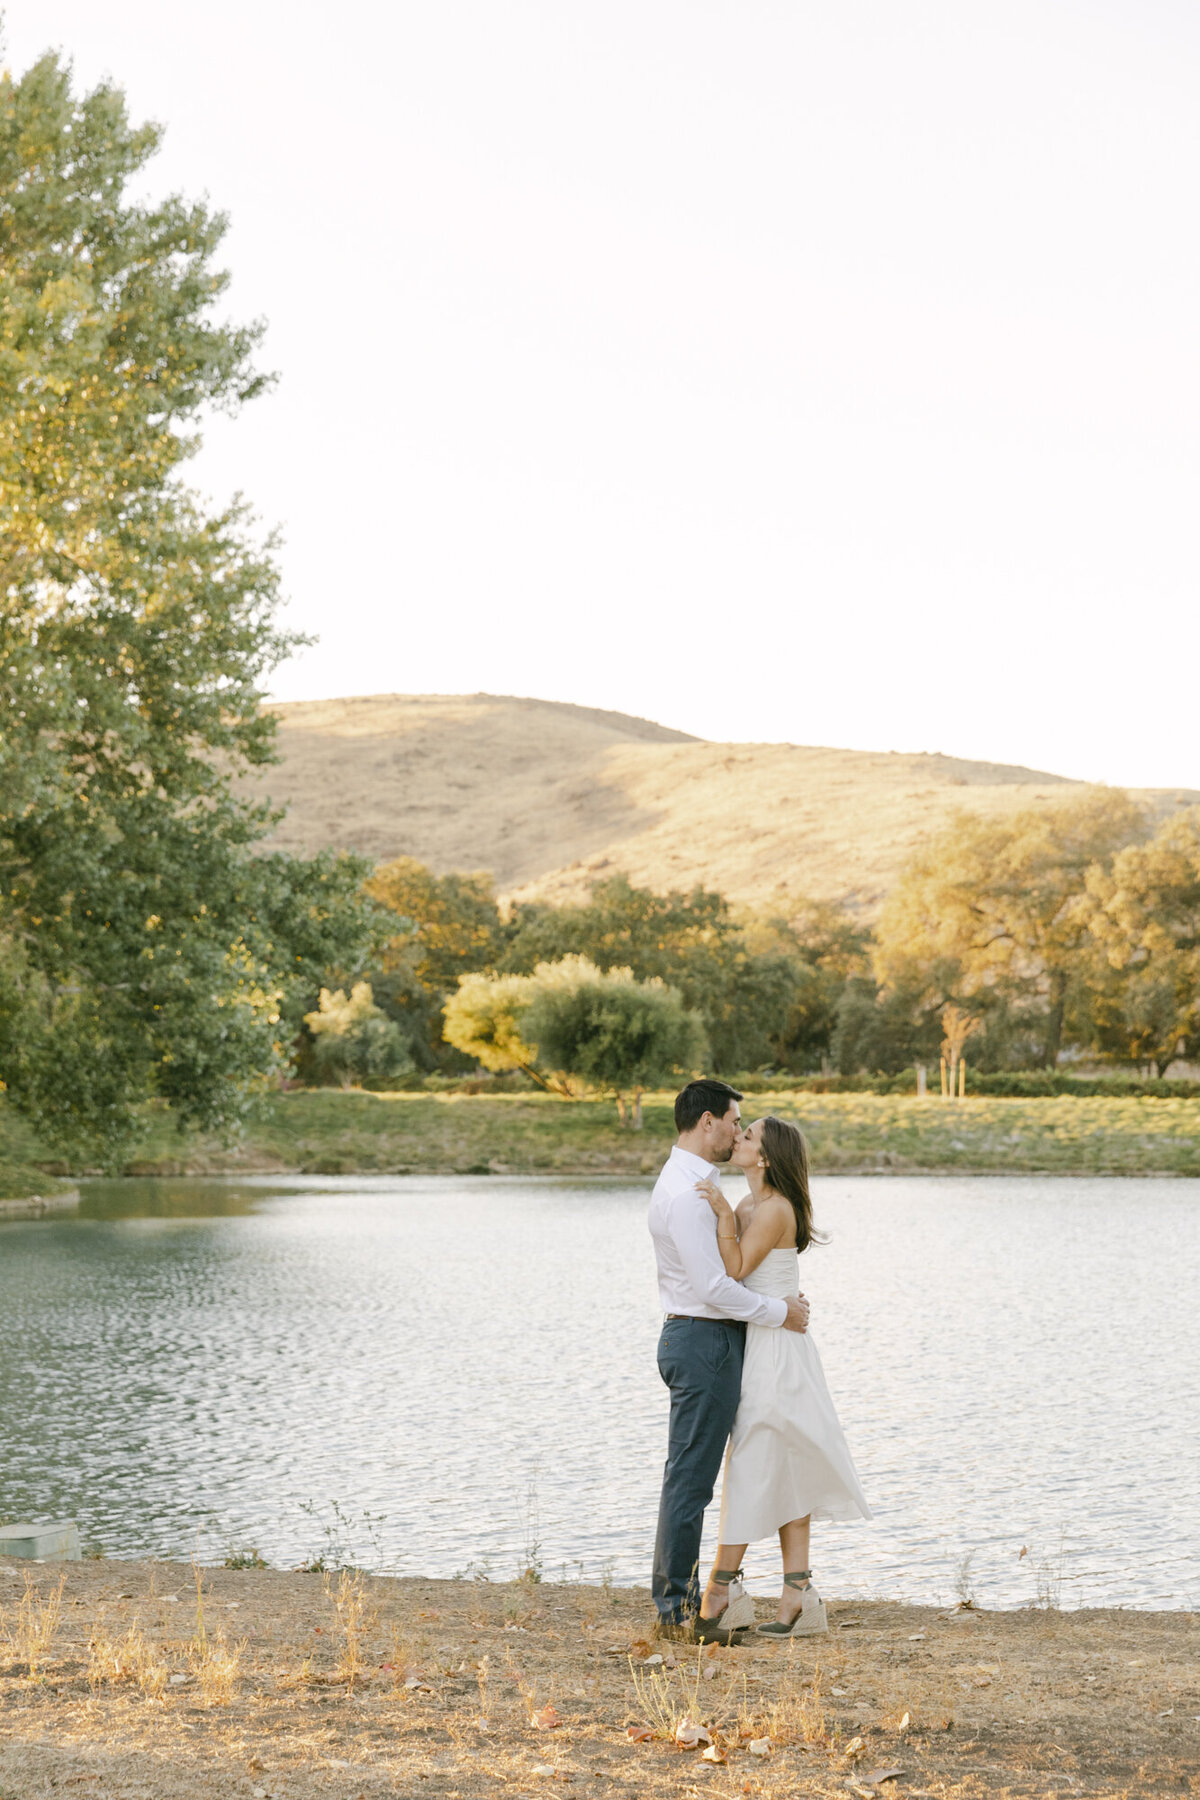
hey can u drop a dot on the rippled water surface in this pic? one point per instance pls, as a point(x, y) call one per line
point(433, 1374)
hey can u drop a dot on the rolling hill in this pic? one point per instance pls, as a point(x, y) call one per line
point(550, 797)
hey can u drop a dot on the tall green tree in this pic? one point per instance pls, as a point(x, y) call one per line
point(136, 630)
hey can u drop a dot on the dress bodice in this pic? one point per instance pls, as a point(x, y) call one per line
point(778, 1274)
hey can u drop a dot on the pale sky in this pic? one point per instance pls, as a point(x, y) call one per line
point(820, 372)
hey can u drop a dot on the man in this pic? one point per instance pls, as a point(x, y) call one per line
point(700, 1350)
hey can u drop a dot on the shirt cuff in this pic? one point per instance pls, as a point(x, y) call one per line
point(778, 1311)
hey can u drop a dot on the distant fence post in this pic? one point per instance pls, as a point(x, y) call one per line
point(945, 1089)
point(922, 1089)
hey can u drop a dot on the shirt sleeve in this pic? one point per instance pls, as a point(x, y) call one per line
point(693, 1230)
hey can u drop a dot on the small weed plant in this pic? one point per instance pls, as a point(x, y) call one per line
point(245, 1559)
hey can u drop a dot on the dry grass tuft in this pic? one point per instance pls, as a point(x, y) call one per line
point(348, 1599)
point(35, 1625)
point(797, 1714)
point(131, 1657)
point(671, 1698)
point(216, 1669)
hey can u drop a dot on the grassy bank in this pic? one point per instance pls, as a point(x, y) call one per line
point(326, 1131)
point(21, 1177)
point(284, 1686)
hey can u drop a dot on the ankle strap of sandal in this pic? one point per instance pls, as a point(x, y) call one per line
point(798, 1578)
point(725, 1576)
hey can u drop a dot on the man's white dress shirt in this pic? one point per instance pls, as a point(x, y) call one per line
point(691, 1275)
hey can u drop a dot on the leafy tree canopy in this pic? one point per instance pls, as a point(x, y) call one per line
point(610, 1031)
point(483, 1019)
point(993, 910)
point(142, 951)
point(1144, 915)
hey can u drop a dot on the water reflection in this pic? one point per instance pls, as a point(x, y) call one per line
point(194, 1198)
point(431, 1374)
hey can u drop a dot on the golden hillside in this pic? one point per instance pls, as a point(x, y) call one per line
point(550, 796)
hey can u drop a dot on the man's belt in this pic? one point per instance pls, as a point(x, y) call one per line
point(701, 1319)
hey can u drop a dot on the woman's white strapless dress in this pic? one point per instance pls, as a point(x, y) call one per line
point(787, 1455)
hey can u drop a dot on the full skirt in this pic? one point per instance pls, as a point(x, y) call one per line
point(787, 1457)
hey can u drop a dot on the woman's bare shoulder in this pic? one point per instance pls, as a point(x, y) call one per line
point(775, 1210)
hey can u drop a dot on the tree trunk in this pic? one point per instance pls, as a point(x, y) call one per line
point(621, 1109)
point(637, 1109)
point(1054, 1022)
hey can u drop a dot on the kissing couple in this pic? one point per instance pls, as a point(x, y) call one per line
point(742, 1371)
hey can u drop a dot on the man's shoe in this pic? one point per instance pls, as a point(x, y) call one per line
point(674, 1631)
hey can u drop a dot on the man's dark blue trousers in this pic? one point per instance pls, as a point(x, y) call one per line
point(701, 1362)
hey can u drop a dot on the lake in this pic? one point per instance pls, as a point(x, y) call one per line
point(457, 1374)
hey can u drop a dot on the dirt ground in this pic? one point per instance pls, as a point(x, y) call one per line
point(279, 1686)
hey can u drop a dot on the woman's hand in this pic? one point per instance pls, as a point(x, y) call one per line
point(727, 1227)
point(714, 1196)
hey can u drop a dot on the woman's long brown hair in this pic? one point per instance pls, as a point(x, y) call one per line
point(786, 1156)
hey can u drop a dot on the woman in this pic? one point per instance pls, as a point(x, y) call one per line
point(787, 1461)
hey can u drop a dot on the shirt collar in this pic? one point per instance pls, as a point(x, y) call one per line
point(695, 1165)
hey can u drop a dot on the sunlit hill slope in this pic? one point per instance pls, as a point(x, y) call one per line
point(550, 797)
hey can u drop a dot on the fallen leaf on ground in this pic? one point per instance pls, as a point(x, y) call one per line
point(713, 1753)
point(905, 1722)
point(854, 1747)
point(653, 1661)
point(879, 1775)
point(914, 1637)
point(759, 1746)
point(848, 1624)
point(542, 1769)
point(688, 1734)
point(546, 1719)
point(638, 1734)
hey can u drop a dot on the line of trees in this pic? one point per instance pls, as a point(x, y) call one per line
point(1070, 931)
